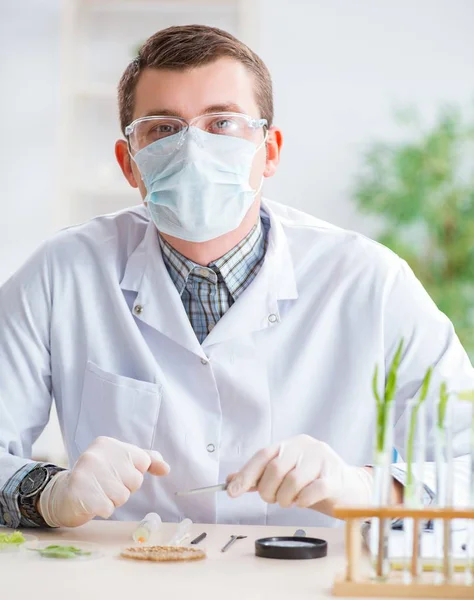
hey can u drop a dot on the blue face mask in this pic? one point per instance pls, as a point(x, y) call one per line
point(201, 190)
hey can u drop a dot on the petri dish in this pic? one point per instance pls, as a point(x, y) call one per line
point(291, 548)
point(9, 548)
point(54, 550)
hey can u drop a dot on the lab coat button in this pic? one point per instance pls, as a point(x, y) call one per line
point(138, 309)
point(272, 318)
point(204, 361)
point(210, 448)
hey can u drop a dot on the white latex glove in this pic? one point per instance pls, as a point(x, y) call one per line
point(305, 472)
point(102, 479)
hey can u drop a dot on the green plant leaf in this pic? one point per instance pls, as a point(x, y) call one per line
point(16, 537)
point(412, 426)
point(384, 401)
point(425, 386)
point(442, 405)
point(58, 551)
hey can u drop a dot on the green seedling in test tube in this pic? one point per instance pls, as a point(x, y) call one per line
point(412, 431)
point(379, 531)
point(468, 396)
point(443, 403)
point(384, 401)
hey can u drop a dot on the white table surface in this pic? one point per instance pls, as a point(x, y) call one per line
point(236, 574)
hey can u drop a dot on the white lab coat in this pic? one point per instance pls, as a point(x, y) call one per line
point(94, 320)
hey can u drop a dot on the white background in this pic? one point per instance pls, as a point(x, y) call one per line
point(339, 69)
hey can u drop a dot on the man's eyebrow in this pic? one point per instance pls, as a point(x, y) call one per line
point(224, 107)
point(161, 112)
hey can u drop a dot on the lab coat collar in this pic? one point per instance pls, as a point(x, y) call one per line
point(278, 253)
point(160, 302)
point(256, 309)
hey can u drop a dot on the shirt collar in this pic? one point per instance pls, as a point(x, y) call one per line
point(236, 268)
point(178, 266)
point(278, 255)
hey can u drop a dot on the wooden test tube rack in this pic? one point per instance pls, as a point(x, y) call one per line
point(353, 584)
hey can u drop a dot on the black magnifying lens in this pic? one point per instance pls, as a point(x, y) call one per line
point(291, 547)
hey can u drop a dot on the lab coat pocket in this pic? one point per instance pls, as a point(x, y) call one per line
point(119, 407)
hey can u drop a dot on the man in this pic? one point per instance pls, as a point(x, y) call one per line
point(208, 334)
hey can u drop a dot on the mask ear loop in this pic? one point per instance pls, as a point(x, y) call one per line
point(264, 141)
point(259, 189)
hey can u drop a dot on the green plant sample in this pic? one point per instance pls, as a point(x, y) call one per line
point(384, 401)
point(12, 538)
point(442, 406)
point(58, 551)
point(412, 429)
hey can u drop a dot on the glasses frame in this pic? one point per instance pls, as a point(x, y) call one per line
point(252, 123)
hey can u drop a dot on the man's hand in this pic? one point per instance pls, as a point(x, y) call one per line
point(102, 479)
point(305, 472)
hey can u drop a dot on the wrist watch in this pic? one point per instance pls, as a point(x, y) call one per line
point(30, 489)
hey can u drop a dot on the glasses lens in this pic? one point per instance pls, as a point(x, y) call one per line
point(148, 131)
point(230, 124)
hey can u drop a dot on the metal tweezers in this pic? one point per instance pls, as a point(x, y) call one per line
point(233, 539)
point(212, 488)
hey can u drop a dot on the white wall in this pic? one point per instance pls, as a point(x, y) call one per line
point(339, 66)
point(29, 104)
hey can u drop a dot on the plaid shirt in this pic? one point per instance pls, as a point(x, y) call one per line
point(208, 292)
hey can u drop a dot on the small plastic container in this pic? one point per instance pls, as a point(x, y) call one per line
point(149, 525)
point(183, 532)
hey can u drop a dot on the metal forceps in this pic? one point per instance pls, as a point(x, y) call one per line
point(233, 539)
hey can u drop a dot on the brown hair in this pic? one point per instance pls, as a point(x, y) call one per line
point(188, 46)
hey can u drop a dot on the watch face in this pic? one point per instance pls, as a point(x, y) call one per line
point(33, 481)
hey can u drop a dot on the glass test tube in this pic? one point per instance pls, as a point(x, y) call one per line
point(444, 489)
point(379, 534)
point(147, 526)
point(415, 453)
point(470, 522)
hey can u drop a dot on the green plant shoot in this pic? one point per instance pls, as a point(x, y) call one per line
point(467, 395)
point(12, 538)
point(384, 401)
point(442, 405)
point(58, 551)
point(412, 430)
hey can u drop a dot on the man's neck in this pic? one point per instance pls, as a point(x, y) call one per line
point(204, 253)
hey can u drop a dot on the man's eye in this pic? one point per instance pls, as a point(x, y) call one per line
point(164, 129)
point(224, 126)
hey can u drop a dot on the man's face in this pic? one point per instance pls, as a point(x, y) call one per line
point(222, 86)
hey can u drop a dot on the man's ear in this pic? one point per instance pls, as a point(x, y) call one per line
point(274, 144)
point(123, 158)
